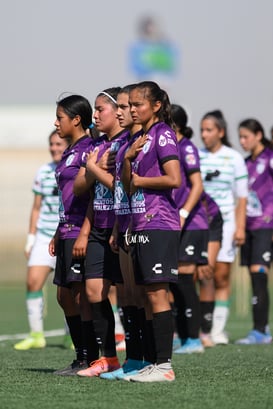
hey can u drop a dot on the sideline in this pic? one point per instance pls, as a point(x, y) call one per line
point(51, 333)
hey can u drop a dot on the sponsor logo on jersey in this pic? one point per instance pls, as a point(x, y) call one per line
point(190, 159)
point(189, 149)
point(162, 140)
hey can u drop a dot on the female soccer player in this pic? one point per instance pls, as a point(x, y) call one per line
point(151, 174)
point(43, 223)
point(74, 116)
point(130, 296)
point(224, 177)
point(102, 265)
point(256, 252)
point(193, 247)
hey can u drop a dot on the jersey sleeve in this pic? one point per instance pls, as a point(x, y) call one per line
point(37, 186)
point(241, 176)
point(166, 146)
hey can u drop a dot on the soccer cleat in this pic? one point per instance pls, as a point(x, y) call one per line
point(102, 365)
point(67, 342)
point(72, 369)
point(220, 339)
point(35, 340)
point(206, 340)
point(255, 337)
point(191, 346)
point(154, 373)
point(130, 367)
point(132, 370)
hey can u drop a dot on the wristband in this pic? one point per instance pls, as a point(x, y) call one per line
point(30, 242)
point(183, 213)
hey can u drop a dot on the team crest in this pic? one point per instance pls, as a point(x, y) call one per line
point(69, 160)
point(162, 140)
point(146, 147)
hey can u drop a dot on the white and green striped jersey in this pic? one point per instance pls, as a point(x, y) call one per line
point(46, 186)
point(225, 177)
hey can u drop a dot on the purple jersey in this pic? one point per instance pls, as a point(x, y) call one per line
point(189, 163)
point(155, 209)
point(260, 196)
point(72, 209)
point(121, 200)
point(103, 203)
point(210, 206)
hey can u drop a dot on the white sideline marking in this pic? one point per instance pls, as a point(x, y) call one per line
point(51, 333)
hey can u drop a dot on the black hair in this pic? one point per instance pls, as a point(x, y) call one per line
point(255, 126)
point(180, 119)
point(127, 88)
point(154, 93)
point(74, 105)
point(219, 120)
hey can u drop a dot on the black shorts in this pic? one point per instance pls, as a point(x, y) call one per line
point(154, 255)
point(100, 260)
point(121, 242)
point(216, 228)
point(68, 269)
point(257, 248)
point(193, 247)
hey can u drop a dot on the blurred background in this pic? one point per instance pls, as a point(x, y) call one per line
point(206, 54)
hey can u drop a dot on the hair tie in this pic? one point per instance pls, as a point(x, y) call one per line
point(109, 96)
point(91, 126)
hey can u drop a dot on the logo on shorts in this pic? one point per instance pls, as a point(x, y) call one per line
point(76, 268)
point(267, 256)
point(188, 312)
point(190, 250)
point(135, 238)
point(157, 268)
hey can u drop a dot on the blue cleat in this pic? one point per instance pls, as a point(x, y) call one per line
point(191, 346)
point(255, 337)
point(130, 367)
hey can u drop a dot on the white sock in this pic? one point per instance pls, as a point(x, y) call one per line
point(219, 320)
point(118, 325)
point(35, 313)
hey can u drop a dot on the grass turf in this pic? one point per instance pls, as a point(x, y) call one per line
point(223, 377)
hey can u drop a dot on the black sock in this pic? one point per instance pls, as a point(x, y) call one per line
point(163, 334)
point(132, 333)
point(147, 337)
point(206, 308)
point(75, 329)
point(260, 301)
point(187, 289)
point(104, 325)
point(180, 318)
point(91, 347)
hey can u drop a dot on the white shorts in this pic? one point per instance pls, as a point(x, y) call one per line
point(39, 255)
point(228, 249)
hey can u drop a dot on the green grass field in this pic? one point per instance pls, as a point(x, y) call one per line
point(223, 377)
